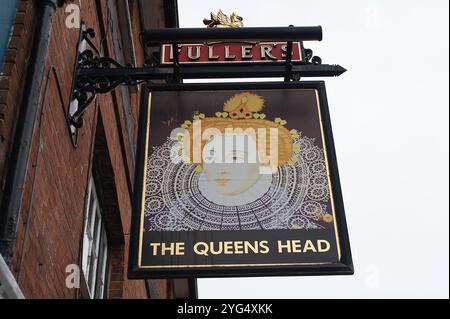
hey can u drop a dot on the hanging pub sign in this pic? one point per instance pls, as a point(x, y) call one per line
point(237, 179)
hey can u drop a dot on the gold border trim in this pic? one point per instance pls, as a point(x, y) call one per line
point(144, 183)
point(141, 231)
point(238, 265)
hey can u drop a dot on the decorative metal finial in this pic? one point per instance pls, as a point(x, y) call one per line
point(221, 20)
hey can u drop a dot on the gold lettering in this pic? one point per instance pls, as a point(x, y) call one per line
point(309, 246)
point(238, 247)
point(170, 249)
point(282, 246)
point(216, 250)
point(296, 246)
point(201, 248)
point(264, 247)
point(179, 249)
point(228, 248)
point(155, 248)
point(323, 249)
point(167, 248)
point(248, 246)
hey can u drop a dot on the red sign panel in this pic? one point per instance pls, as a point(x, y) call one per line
point(232, 52)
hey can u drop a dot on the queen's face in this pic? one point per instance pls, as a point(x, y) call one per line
point(230, 163)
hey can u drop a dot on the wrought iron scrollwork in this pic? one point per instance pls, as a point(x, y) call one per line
point(88, 86)
point(310, 58)
point(95, 74)
point(99, 84)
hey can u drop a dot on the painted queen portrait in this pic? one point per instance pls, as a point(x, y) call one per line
point(237, 168)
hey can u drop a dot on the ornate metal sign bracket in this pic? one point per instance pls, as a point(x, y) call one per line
point(95, 74)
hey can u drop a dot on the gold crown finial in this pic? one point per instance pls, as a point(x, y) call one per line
point(221, 20)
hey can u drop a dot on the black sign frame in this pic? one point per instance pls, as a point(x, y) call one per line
point(343, 267)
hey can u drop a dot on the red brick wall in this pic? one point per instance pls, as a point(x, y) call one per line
point(50, 225)
point(12, 75)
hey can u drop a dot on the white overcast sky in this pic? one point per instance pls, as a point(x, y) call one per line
point(390, 116)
